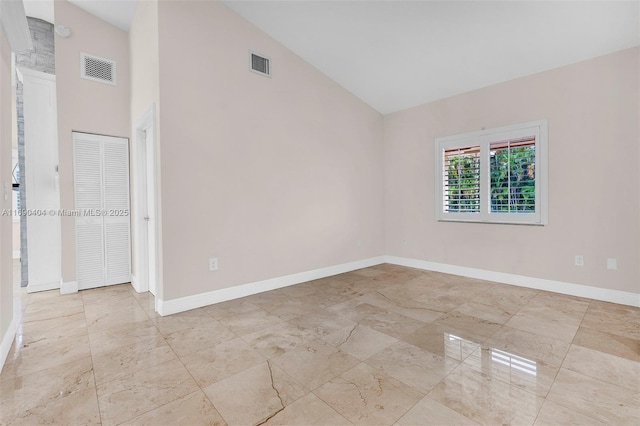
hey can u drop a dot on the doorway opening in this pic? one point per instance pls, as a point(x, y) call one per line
point(146, 218)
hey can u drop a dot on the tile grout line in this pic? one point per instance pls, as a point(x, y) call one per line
point(562, 363)
point(200, 388)
point(177, 358)
point(349, 297)
point(93, 371)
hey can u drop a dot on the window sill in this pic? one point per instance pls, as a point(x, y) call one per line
point(487, 222)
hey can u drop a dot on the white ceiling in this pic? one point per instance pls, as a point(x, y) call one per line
point(396, 54)
point(41, 9)
point(116, 12)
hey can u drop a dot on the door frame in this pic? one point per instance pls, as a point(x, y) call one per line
point(140, 280)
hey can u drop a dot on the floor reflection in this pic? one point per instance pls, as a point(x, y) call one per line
point(458, 348)
point(515, 362)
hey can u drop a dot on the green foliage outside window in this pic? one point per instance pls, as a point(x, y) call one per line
point(513, 180)
point(512, 184)
point(463, 180)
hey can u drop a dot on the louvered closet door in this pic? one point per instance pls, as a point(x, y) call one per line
point(116, 203)
point(101, 173)
point(87, 162)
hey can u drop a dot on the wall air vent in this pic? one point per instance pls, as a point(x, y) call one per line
point(259, 64)
point(97, 69)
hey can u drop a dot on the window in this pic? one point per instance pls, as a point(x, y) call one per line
point(493, 176)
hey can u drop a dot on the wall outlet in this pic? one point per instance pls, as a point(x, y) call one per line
point(612, 263)
point(579, 260)
point(213, 263)
point(359, 243)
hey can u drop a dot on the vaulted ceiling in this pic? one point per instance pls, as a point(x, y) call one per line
point(396, 54)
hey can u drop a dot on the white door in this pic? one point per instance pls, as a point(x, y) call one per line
point(101, 177)
point(42, 196)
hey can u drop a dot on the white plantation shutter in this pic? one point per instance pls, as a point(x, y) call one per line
point(101, 172)
point(461, 180)
point(512, 175)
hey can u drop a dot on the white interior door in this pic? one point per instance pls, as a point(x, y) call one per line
point(101, 173)
point(41, 180)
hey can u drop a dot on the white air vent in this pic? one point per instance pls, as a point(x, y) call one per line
point(97, 69)
point(259, 64)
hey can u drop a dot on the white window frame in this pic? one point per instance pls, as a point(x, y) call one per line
point(484, 138)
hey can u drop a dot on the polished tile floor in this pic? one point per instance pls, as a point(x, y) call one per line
point(378, 346)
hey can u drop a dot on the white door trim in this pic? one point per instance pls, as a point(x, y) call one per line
point(146, 124)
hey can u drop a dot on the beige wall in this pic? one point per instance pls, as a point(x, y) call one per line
point(592, 111)
point(143, 58)
point(144, 72)
point(6, 261)
point(84, 105)
point(273, 176)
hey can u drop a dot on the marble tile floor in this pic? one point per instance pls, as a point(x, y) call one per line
point(385, 345)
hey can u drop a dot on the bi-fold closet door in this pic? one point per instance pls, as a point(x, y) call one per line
point(101, 179)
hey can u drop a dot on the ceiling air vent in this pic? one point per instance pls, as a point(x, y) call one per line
point(97, 69)
point(259, 64)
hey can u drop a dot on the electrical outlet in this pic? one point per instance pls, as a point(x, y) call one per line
point(213, 264)
point(612, 263)
point(579, 260)
point(359, 243)
point(405, 242)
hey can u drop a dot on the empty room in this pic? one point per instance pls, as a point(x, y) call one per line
point(319, 212)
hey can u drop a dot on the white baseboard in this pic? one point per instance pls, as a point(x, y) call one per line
point(68, 287)
point(34, 288)
point(137, 285)
point(16, 254)
point(173, 306)
point(615, 296)
point(7, 341)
